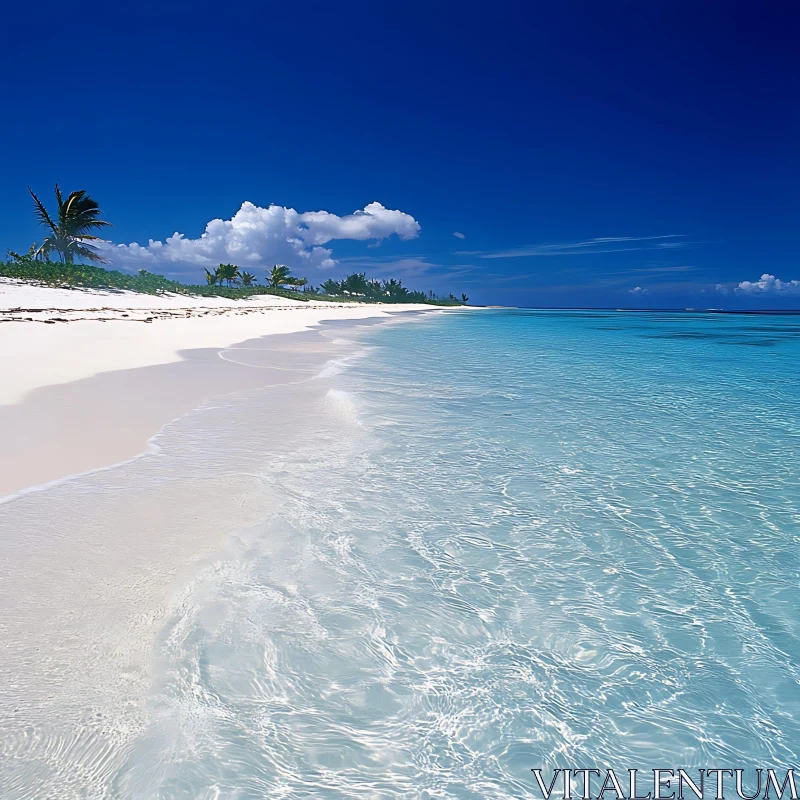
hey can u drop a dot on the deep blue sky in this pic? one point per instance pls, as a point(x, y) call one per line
point(519, 125)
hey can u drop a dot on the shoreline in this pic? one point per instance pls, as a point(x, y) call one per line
point(91, 565)
point(127, 486)
point(92, 390)
point(73, 334)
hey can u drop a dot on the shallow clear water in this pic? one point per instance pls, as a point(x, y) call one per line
point(512, 540)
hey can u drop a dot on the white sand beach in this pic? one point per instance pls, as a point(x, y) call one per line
point(89, 565)
point(52, 352)
point(56, 421)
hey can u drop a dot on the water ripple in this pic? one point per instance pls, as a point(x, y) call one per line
point(513, 541)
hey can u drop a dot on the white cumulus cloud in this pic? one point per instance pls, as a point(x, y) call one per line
point(638, 290)
point(259, 237)
point(768, 283)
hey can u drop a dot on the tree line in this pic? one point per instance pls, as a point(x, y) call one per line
point(230, 274)
point(355, 285)
point(387, 291)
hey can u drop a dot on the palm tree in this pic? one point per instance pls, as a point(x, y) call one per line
point(464, 298)
point(248, 279)
point(355, 284)
point(71, 232)
point(212, 278)
point(228, 272)
point(331, 286)
point(297, 283)
point(395, 289)
point(279, 275)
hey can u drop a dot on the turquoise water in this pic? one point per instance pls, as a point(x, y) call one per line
point(513, 540)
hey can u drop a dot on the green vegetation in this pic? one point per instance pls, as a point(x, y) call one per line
point(352, 289)
point(224, 273)
point(54, 273)
point(70, 235)
point(280, 275)
point(357, 286)
point(71, 232)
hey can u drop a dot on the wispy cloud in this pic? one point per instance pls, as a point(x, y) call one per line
point(397, 267)
point(588, 247)
point(657, 270)
point(459, 235)
point(587, 278)
point(406, 267)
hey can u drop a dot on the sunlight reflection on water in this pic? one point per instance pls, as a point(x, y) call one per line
point(511, 540)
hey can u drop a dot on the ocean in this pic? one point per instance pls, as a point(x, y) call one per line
point(510, 540)
point(475, 544)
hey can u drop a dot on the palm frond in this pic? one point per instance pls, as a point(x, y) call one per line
point(41, 212)
point(88, 252)
point(279, 275)
point(79, 213)
point(49, 245)
point(59, 199)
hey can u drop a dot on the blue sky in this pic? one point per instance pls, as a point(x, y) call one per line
point(590, 154)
